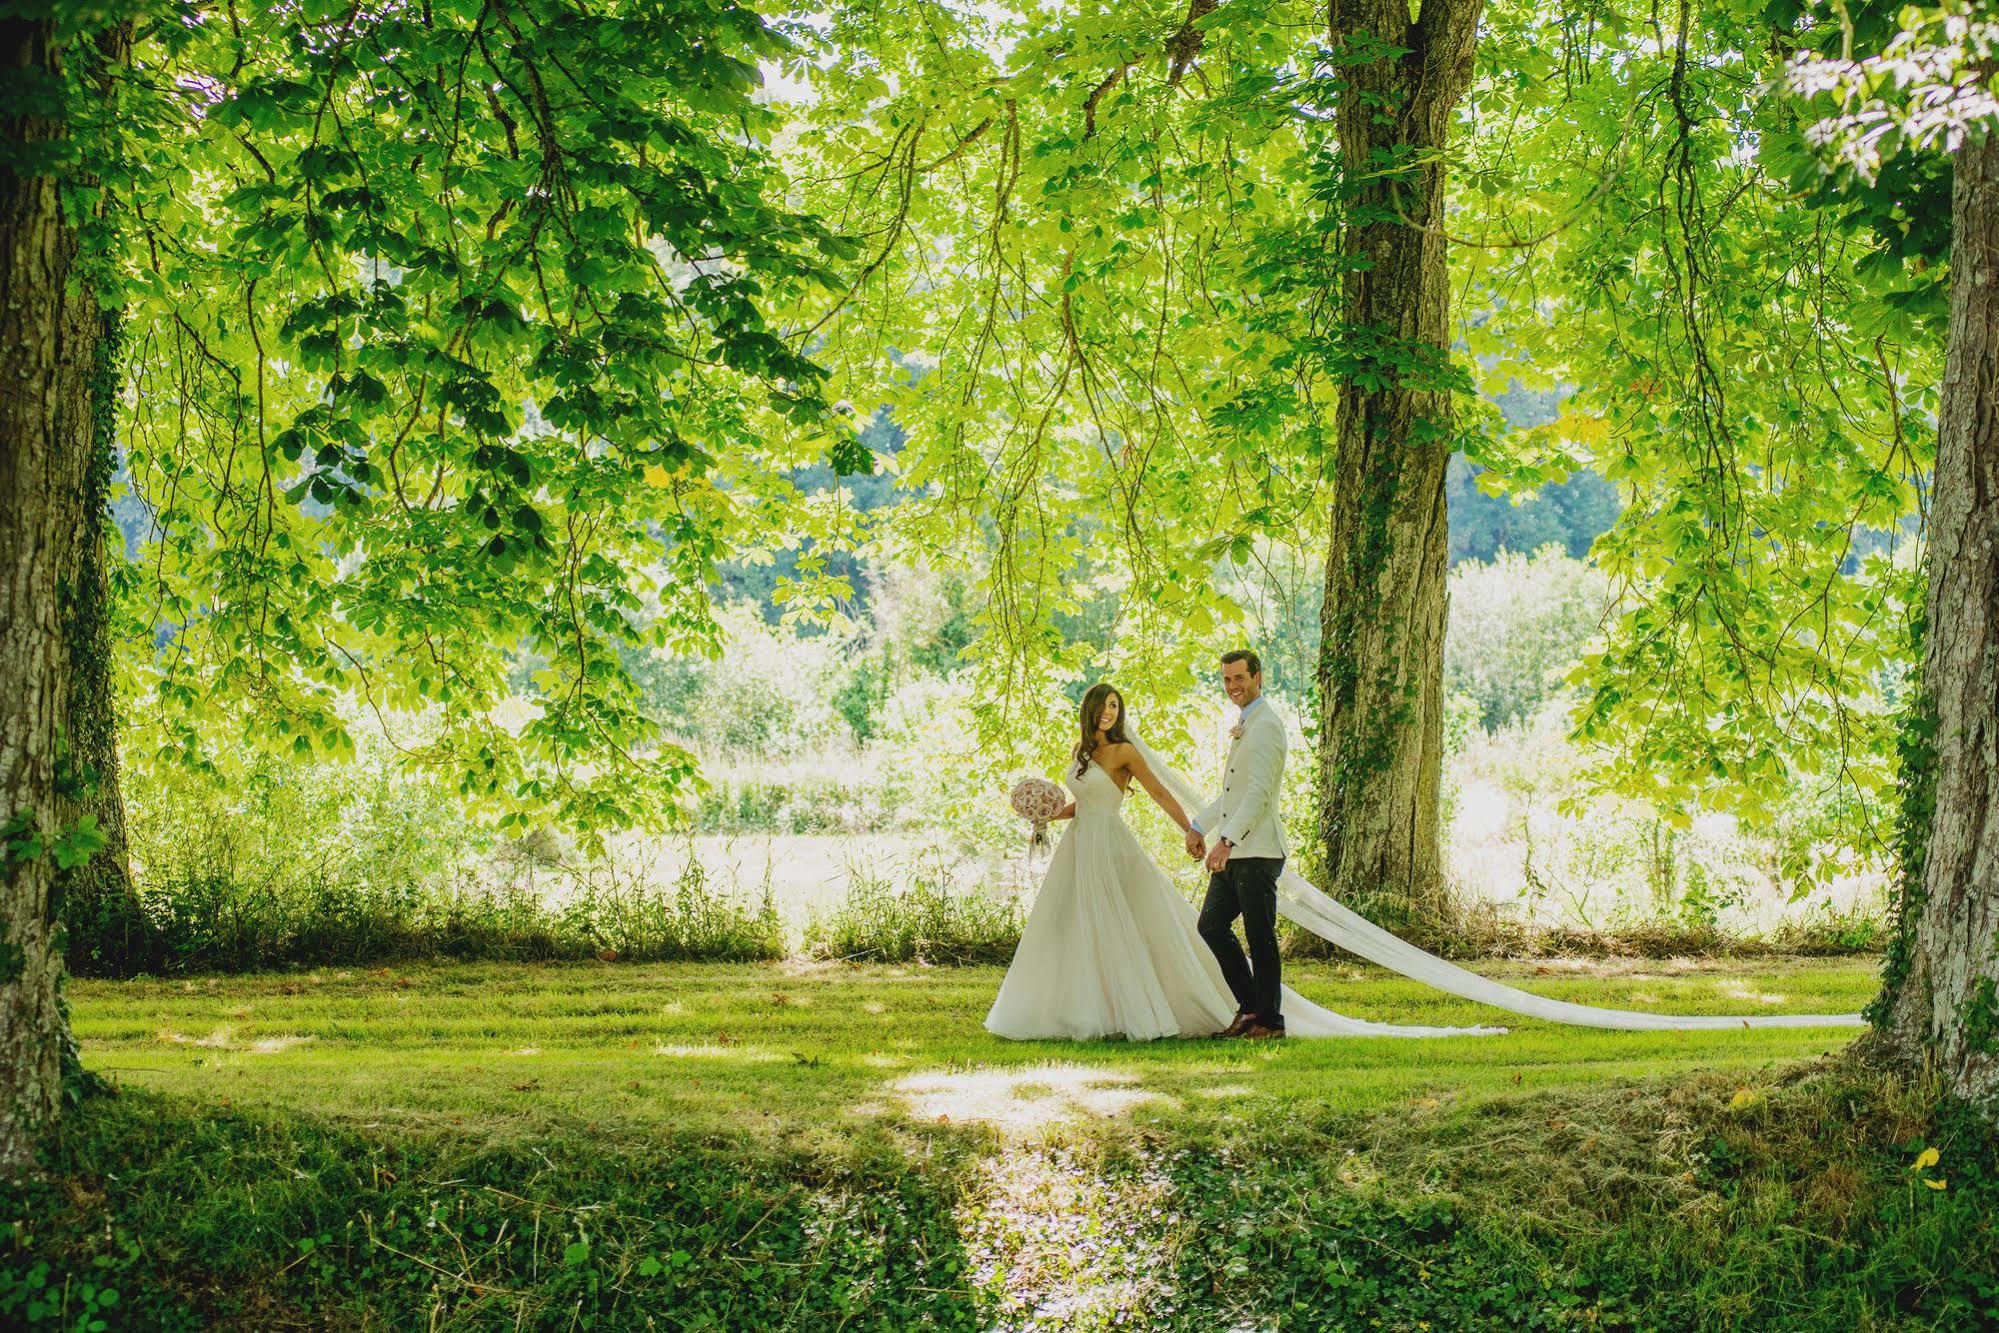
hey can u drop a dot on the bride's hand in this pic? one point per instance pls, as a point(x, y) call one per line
point(1197, 846)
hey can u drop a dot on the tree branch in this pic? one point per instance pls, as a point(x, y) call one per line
point(1186, 43)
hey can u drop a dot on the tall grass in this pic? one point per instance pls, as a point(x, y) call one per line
point(301, 864)
point(924, 921)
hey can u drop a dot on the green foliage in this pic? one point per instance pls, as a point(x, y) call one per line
point(1915, 741)
point(23, 839)
point(1571, 514)
point(768, 692)
point(1534, 836)
point(860, 701)
point(346, 863)
point(1757, 379)
point(1517, 626)
point(924, 920)
point(452, 377)
point(1083, 422)
point(345, 1230)
point(1886, 90)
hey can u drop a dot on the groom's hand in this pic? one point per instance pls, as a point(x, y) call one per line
point(1197, 846)
point(1218, 858)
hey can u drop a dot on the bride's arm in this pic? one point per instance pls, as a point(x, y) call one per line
point(1157, 789)
point(1067, 812)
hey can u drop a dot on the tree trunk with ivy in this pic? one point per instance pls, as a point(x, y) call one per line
point(1938, 1007)
point(96, 901)
point(50, 331)
point(58, 772)
point(1381, 656)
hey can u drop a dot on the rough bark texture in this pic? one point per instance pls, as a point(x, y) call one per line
point(48, 335)
point(1943, 1012)
point(1381, 658)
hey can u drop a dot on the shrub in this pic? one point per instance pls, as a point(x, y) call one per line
point(1517, 625)
point(305, 864)
point(811, 795)
point(771, 693)
point(924, 922)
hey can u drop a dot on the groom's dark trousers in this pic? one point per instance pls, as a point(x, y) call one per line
point(1246, 888)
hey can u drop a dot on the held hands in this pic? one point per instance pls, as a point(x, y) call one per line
point(1218, 858)
point(1197, 846)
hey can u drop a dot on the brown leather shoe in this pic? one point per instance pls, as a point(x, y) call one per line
point(1235, 1027)
point(1257, 1031)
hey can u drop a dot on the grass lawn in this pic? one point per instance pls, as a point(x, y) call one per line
point(823, 1147)
point(824, 1054)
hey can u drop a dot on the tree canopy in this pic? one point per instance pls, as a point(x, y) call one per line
point(451, 372)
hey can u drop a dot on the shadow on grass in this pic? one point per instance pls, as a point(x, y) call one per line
point(195, 1219)
point(1808, 1200)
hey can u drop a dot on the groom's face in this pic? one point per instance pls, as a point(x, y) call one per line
point(1241, 686)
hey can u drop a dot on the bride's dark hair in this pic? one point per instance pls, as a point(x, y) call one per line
point(1093, 708)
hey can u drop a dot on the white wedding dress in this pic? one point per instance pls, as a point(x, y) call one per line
point(1112, 949)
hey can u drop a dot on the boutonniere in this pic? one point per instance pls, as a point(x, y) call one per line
point(1235, 732)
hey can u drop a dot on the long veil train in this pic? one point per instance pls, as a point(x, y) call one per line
point(1303, 903)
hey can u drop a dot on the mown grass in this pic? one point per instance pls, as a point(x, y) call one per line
point(824, 1053)
point(832, 1147)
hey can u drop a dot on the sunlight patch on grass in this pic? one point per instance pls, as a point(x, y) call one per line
point(1024, 1100)
point(1058, 1245)
point(749, 1055)
point(275, 1045)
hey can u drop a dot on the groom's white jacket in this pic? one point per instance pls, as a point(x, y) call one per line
point(1247, 813)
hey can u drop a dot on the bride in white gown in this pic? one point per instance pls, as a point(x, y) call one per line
point(1111, 948)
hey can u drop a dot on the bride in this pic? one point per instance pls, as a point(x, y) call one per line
point(1111, 948)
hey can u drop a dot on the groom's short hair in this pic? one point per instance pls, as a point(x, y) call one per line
point(1244, 655)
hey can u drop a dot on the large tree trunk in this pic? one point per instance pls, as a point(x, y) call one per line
point(1940, 1008)
point(1381, 656)
point(49, 328)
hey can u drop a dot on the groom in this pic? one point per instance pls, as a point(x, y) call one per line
point(1248, 852)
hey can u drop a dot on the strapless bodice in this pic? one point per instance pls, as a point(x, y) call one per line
point(1095, 792)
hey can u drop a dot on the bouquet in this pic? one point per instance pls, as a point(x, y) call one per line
point(1037, 800)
